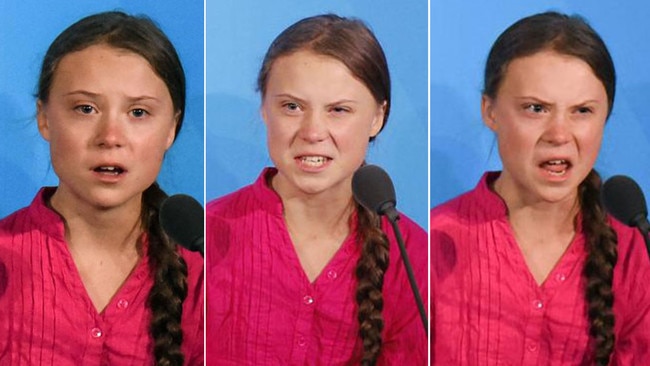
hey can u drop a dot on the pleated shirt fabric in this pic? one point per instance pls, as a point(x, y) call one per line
point(262, 309)
point(47, 317)
point(488, 309)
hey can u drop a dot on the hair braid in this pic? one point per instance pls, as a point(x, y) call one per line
point(170, 285)
point(599, 268)
point(370, 275)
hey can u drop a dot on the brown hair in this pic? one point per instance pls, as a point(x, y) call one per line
point(347, 40)
point(142, 37)
point(572, 35)
point(351, 42)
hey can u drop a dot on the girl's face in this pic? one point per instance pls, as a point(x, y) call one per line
point(109, 120)
point(548, 115)
point(319, 118)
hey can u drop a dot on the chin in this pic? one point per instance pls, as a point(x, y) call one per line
point(558, 195)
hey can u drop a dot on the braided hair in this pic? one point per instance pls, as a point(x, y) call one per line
point(572, 36)
point(352, 43)
point(599, 268)
point(169, 289)
point(141, 36)
point(370, 271)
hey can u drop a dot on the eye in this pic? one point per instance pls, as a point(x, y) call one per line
point(340, 109)
point(85, 109)
point(584, 110)
point(534, 108)
point(292, 106)
point(139, 113)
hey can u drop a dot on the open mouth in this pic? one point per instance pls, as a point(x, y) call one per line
point(109, 170)
point(557, 167)
point(313, 161)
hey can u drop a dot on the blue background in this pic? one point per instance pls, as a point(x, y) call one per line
point(238, 34)
point(26, 30)
point(462, 32)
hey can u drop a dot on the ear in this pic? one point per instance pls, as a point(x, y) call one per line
point(41, 120)
point(378, 121)
point(487, 112)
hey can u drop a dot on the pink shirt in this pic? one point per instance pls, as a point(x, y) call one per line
point(488, 309)
point(46, 316)
point(262, 309)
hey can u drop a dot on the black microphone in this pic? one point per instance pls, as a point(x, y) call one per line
point(181, 217)
point(373, 188)
point(624, 199)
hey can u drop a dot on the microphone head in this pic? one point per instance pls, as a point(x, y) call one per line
point(624, 199)
point(181, 217)
point(373, 188)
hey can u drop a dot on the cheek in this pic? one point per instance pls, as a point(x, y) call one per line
point(352, 140)
point(64, 145)
point(277, 135)
point(590, 142)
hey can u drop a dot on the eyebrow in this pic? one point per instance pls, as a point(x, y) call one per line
point(82, 92)
point(300, 100)
point(96, 95)
point(290, 96)
point(542, 101)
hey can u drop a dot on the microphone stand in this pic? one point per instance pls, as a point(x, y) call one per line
point(391, 213)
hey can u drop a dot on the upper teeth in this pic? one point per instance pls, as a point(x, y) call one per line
point(109, 168)
point(313, 159)
point(556, 162)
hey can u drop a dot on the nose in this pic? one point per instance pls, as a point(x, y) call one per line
point(313, 127)
point(109, 132)
point(557, 131)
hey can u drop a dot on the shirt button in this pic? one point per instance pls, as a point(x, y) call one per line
point(122, 304)
point(96, 332)
point(532, 347)
point(302, 341)
point(331, 274)
point(308, 300)
point(560, 277)
point(537, 304)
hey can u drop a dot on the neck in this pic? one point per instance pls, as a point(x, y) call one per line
point(109, 229)
point(325, 212)
point(538, 218)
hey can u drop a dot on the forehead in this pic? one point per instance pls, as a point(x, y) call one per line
point(549, 72)
point(101, 65)
point(310, 70)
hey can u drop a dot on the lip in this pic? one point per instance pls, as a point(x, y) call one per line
point(555, 169)
point(106, 176)
point(312, 163)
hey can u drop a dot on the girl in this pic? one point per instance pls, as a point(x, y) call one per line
point(90, 277)
point(527, 268)
point(299, 272)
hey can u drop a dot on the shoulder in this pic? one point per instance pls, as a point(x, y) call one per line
point(631, 245)
point(36, 214)
point(411, 231)
point(222, 205)
point(415, 241)
point(452, 211)
point(631, 291)
point(195, 271)
point(8, 223)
